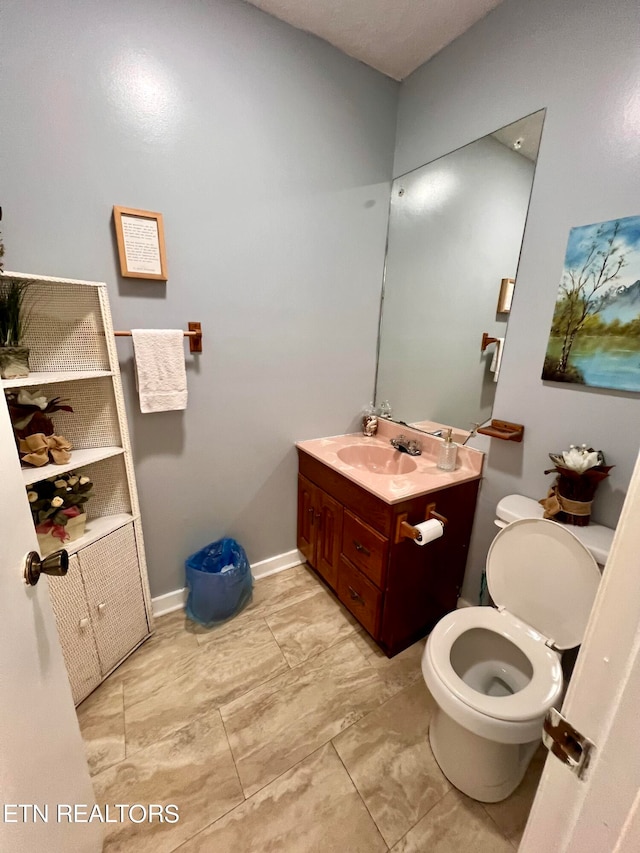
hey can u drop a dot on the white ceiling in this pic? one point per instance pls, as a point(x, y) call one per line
point(393, 36)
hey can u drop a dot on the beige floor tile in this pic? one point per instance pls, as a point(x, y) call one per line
point(312, 808)
point(158, 661)
point(278, 724)
point(240, 659)
point(398, 672)
point(173, 624)
point(388, 756)
point(512, 814)
point(310, 626)
point(101, 719)
point(453, 825)
point(192, 769)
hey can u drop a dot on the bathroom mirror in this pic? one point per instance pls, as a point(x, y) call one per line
point(455, 232)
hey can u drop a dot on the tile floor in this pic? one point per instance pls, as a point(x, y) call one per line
point(285, 730)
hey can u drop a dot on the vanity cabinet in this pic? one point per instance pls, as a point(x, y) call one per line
point(396, 589)
point(320, 520)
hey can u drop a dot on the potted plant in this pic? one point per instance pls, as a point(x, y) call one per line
point(14, 319)
point(58, 509)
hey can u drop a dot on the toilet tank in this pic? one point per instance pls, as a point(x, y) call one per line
point(595, 537)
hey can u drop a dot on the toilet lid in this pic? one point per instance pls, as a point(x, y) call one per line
point(540, 572)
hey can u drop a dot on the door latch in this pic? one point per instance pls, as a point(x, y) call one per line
point(566, 743)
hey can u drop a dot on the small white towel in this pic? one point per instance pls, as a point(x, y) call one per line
point(496, 361)
point(161, 377)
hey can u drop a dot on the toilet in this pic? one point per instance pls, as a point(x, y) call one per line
point(494, 672)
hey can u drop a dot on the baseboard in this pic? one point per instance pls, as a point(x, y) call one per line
point(170, 601)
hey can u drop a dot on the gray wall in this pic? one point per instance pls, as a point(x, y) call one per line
point(269, 154)
point(581, 60)
point(454, 233)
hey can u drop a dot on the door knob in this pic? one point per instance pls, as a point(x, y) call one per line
point(56, 564)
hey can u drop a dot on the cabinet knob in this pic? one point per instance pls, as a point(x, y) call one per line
point(102, 607)
point(56, 564)
point(361, 548)
point(83, 623)
point(355, 596)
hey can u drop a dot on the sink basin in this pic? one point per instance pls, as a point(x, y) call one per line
point(377, 460)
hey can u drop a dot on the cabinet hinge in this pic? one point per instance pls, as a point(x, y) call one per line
point(566, 743)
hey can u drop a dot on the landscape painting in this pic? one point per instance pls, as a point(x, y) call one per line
point(595, 333)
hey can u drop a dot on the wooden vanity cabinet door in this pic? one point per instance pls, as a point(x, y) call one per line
point(307, 521)
point(329, 535)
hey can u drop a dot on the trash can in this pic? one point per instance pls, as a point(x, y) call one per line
point(219, 582)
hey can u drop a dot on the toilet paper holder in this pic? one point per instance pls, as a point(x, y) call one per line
point(404, 530)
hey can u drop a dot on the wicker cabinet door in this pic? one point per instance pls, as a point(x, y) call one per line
point(111, 575)
point(74, 629)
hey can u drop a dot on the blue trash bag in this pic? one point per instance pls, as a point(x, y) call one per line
point(219, 582)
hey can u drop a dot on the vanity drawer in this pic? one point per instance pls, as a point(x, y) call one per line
point(360, 596)
point(365, 548)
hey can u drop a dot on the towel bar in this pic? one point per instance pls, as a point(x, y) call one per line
point(194, 334)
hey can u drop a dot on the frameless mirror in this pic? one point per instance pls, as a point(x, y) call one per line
point(455, 231)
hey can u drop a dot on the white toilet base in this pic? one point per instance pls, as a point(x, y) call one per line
point(483, 769)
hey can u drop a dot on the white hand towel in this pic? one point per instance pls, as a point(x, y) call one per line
point(161, 377)
point(496, 361)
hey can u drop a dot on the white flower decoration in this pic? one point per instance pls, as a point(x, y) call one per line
point(32, 398)
point(579, 459)
point(57, 501)
point(33, 496)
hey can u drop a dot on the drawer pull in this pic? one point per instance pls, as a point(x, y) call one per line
point(83, 623)
point(102, 607)
point(355, 596)
point(361, 548)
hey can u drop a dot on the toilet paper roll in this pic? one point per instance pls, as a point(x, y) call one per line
point(429, 530)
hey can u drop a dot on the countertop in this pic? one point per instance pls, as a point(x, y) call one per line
point(393, 488)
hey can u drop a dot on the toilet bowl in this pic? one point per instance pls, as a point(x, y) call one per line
point(495, 672)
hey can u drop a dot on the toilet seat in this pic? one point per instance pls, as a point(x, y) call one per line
point(541, 573)
point(534, 700)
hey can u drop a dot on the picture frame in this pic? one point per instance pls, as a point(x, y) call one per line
point(141, 247)
point(506, 295)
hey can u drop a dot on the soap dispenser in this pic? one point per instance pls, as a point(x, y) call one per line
point(447, 454)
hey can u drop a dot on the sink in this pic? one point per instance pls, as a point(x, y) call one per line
point(377, 460)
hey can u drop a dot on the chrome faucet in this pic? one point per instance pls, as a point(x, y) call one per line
point(406, 445)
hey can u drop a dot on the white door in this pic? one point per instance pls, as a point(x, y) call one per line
point(601, 813)
point(42, 761)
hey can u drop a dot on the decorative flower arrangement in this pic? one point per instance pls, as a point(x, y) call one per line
point(56, 501)
point(579, 471)
point(34, 430)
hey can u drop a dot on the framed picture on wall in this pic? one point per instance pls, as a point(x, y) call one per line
point(140, 237)
point(506, 295)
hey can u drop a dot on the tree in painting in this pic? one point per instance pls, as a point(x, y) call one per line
point(597, 311)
